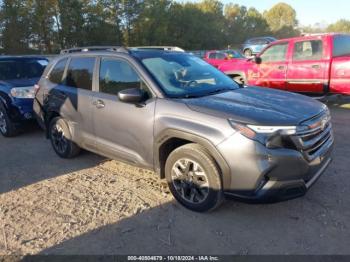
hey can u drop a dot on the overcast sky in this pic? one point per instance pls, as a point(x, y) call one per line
point(309, 12)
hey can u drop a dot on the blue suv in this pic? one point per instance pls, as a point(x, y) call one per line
point(18, 76)
point(254, 46)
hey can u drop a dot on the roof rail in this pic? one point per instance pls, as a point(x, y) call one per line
point(95, 48)
point(164, 48)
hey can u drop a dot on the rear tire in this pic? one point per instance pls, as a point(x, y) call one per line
point(194, 178)
point(7, 127)
point(61, 139)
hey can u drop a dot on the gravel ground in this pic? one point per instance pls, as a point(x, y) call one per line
point(90, 205)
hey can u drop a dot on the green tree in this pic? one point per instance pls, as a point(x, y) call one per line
point(151, 26)
point(42, 23)
point(243, 23)
point(282, 20)
point(195, 25)
point(102, 24)
point(342, 26)
point(71, 22)
point(15, 26)
point(129, 12)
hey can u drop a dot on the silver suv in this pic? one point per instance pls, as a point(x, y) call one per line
point(173, 113)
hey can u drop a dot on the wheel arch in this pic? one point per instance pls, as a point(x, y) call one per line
point(237, 73)
point(48, 117)
point(4, 99)
point(170, 139)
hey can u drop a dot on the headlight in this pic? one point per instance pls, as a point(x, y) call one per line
point(23, 92)
point(284, 130)
point(262, 134)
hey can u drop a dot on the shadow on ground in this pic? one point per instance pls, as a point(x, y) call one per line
point(29, 158)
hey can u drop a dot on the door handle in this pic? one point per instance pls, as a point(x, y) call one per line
point(281, 67)
point(316, 66)
point(99, 104)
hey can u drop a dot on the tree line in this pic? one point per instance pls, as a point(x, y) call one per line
point(46, 26)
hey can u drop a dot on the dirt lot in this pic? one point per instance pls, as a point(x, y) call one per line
point(91, 205)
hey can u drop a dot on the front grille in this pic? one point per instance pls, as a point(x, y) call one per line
point(316, 139)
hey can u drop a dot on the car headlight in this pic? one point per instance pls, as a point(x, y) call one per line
point(284, 130)
point(23, 92)
point(263, 134)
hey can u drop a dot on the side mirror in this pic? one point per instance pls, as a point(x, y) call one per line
point(131, 95)
point(258, 60)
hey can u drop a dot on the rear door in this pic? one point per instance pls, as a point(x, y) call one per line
point(72, 97)
point(272, 71)
point(308, 67)
point(123, 130)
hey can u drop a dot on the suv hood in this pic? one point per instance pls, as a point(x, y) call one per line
point(259, 106)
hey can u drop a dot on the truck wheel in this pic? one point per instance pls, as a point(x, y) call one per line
point(7, 127)
point(248, 53)
point(239, 80)
point(61, 139)
point(194, 178)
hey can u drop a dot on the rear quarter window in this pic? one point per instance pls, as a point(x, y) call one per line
point(341, 45)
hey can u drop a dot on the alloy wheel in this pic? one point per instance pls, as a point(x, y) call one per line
point(59, 140)
point(190, 181)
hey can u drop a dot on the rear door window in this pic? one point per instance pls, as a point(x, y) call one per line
point(80, 72)
point(341, 45)
point(56, 74)
point(308, 50)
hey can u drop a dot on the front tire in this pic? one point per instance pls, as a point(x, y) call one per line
point(61, 139)
point(248, 53)
point(239, 80)
point(7, 127)
point(194, 178)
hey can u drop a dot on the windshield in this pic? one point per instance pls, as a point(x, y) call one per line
point(185, 75)
point(22, 69)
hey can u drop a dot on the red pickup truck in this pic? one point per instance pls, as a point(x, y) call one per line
point(216, 57)
point(314, 64)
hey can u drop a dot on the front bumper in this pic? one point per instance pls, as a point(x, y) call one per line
point(261, 174)
point(39, 114)
point(21, 110)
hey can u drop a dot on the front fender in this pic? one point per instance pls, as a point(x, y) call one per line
point(170, 133)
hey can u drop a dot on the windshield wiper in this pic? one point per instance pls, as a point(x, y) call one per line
point(219, 90)
point(216, 91)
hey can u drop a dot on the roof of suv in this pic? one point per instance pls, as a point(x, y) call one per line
point(110, 50)
point(24, 57)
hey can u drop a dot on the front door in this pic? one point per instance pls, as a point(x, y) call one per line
point(272, 71)
point(123, 130)
point(306, 72)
